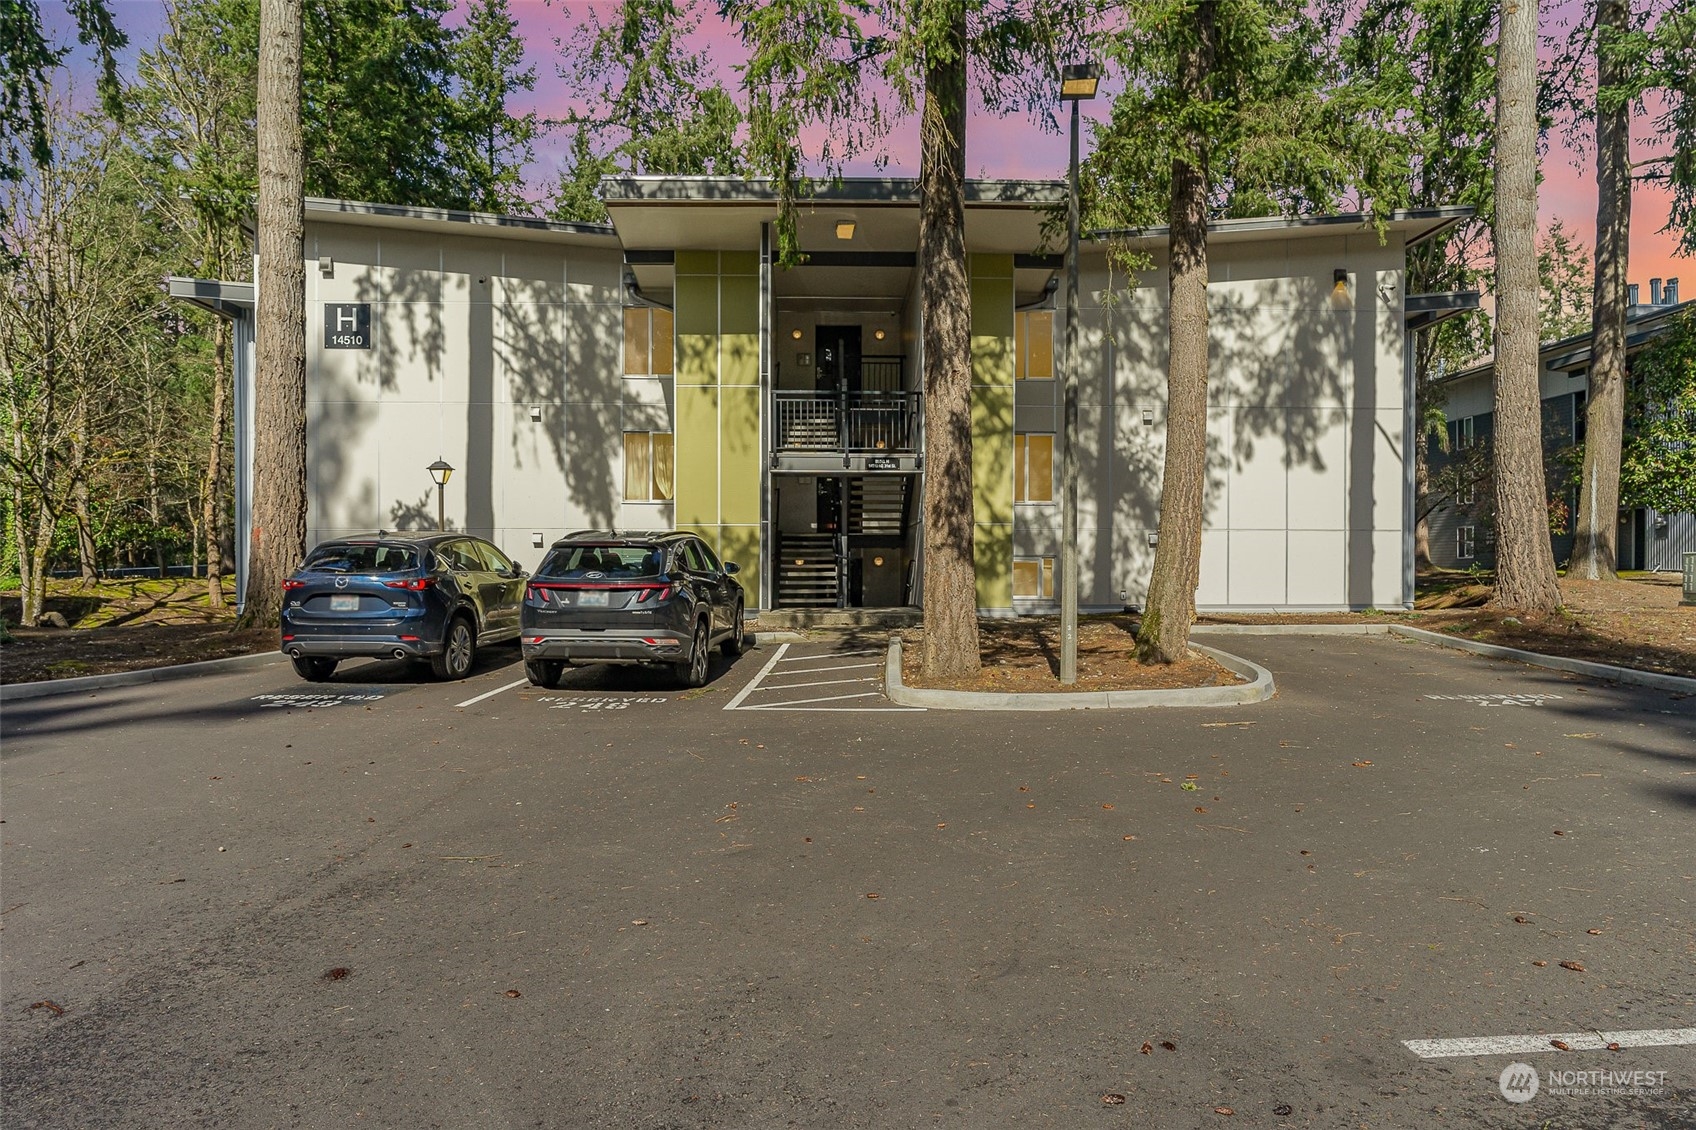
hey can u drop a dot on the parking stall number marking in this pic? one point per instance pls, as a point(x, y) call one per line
point(1527, 699)
point(581, 702)
point(310, 700)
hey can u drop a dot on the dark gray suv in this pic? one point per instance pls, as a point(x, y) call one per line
point(435, 597)
point(655, 598)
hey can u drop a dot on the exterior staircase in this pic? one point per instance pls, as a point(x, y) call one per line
point(806, 571)
point(877, 505)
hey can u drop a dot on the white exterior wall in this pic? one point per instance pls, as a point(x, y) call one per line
point(473, 335)
point(1306, 429)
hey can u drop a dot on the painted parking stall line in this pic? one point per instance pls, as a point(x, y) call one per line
point(474, 700)
point(1592, 1040)
point(794, 682)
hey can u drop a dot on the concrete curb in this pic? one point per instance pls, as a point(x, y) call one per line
point(1259, 690)
point(23, 692)
point(783, 636)
point(1553, 662)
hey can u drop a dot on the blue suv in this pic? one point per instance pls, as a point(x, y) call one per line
point(435, 597)
point(653, 598)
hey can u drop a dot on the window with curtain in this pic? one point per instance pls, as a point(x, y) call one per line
point(649, 470)
point(647, 342)
point(1033, 467)
point(1033, 345)
point(1033, 578)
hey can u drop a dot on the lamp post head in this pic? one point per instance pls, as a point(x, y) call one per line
point(1078, 81)
point(441, 471)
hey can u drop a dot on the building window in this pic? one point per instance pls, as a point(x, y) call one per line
point(1464, 542)
point(1033, 345)
point(647, 341)
point(1033, 467)
point(1460, 434)
point(648, 470)
point(1033, 578)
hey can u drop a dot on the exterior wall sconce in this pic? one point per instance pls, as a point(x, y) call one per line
point(844, 229)
point(795, 333)
point(1340, 288)
point(1148, 415)
point(535, 411)
point(879, 335)
point(326, 266)
point(441, 471)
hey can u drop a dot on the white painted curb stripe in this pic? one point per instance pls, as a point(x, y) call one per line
point(763, 672)
point(490, 694)
point(1576, 1041)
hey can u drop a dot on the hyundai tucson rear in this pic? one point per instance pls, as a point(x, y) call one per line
point(659, 599)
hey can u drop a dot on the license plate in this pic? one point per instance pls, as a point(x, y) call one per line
point(344, 604)
point(591, 598)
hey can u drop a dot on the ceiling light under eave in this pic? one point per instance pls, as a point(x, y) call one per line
point(844, 229)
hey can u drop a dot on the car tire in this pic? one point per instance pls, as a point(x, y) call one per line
point(314, 668)
point(459, 651)
point(733, 645)
point(692, 672)
point(544, 672)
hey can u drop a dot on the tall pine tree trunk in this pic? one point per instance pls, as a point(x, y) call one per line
point(1595, 548)
point(1170, 611)
point(212, 503)
point(1525, 561)
point(279, 488)
point(950, 578)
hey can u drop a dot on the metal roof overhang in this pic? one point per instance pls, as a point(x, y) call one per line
point(654, 215)
point(226, 299)
point(1416, 224)
point(436, 220)
point(1423, 311)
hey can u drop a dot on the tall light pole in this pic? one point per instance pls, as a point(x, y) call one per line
point(441, 470)
point(1077, 82)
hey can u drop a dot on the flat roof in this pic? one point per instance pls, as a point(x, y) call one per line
point(416, 218)
point(1418, 224)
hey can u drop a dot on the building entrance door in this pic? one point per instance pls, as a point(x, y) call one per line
point(838, 349)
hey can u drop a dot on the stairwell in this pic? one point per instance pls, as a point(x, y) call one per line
point(806, 571)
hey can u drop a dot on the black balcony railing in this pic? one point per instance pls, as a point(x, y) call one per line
point(847, 421)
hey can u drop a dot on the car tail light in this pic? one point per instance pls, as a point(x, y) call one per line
point(291, 583)
point(409, 639)
point(415, 584)
point(654, 592)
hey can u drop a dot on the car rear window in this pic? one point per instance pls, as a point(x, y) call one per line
point(362, 559)
point(618, 562)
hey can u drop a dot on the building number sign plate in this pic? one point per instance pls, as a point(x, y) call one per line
point(347, 325)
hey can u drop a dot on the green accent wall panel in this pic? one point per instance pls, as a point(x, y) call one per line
point(739, 305)
point(739, 262)
point(697, 456)
point(992, 428)
point(739, 454)
point(695, 262)
point(992, 559)
point(741, 544)
point(696, 304)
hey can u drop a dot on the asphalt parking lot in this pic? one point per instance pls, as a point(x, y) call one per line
point(252, 901)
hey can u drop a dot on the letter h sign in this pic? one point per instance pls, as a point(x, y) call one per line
point(347, 325)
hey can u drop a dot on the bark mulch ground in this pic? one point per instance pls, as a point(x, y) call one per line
point(1023, 656)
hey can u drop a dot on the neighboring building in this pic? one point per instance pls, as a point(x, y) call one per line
point(1460, 532)
point(662, 371)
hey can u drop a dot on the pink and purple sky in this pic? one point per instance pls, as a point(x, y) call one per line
point(1016, 147)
